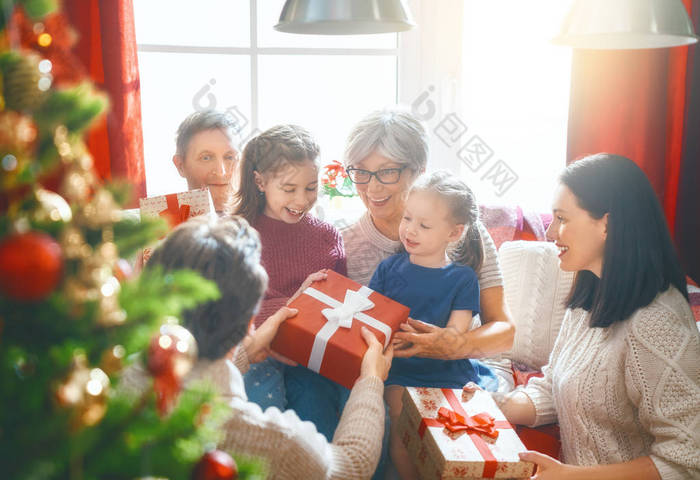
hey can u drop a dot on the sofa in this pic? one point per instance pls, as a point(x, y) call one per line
point(535, 291)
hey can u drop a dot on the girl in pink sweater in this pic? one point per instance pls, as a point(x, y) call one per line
point(278, 188)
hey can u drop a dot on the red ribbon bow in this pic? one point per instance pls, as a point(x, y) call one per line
point(175, 214)
point(480, 423)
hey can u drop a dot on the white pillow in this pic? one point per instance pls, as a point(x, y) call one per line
point(535, 291)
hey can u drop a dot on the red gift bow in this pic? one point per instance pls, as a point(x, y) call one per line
point(167, 387)
point(480, 423)
point(457, 420)
point(175, 214)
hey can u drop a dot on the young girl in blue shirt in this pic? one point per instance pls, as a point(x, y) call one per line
point(435, 277)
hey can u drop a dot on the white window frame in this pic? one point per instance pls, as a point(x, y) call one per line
point(254, 52)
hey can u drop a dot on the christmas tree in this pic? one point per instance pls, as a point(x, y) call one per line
point(72, 315)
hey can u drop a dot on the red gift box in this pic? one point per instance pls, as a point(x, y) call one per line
point(325, 335)
point(176, 208)
point(452, 438)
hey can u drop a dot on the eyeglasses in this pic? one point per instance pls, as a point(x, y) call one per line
point(385, 175)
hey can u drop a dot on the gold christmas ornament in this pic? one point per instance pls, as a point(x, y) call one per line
point(94, 271)
point(17, 132)
point(97, 269)
point(112, 360)
point(110, 312)
point(52, 207)
point(79, 293)
point(84, 391)
point(102, 210)
point(70, 392)
point(95, 403)
point(73, 244)
point(108, 251)
point(60, 139)
point(84, 161)
point(76, 186)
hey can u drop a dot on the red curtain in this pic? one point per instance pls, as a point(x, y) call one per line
point(637, 103)
point(107, 48)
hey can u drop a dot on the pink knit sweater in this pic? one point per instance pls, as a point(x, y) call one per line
point(291, 252)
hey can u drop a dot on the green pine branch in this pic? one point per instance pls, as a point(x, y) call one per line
point(39, 341)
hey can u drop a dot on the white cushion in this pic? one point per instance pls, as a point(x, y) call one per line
point(535, 291)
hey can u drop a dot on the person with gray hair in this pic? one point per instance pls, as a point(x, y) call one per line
point(207, 154)
point(226, 250)
point(385, 153)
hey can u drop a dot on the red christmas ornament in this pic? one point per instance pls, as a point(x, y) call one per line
point(171, 355)
point(30, 266)
point(215, 465)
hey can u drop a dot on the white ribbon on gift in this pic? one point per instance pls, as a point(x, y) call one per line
point(340, 316)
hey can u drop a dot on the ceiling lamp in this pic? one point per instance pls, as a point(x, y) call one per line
point(626, 24)
point(344, 17)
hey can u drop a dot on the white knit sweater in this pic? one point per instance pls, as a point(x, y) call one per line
point(292, 448)
point(626, 391)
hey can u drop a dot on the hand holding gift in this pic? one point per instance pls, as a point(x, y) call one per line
point(314, 277)
point(175, 208)
point(326, 335)
point(377, 359)
point(257, 341)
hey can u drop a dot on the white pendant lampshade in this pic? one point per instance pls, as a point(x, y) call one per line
point(626, 24)
point(344, 17)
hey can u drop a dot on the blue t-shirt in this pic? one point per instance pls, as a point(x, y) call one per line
point(431, 294)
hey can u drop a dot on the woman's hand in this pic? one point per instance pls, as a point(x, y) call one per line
point(548, 468)
point(376, 361)
point(516, 405)
point(420, 339)
point(257, 341)
point(314, 277)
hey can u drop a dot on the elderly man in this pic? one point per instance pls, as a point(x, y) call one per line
point(207, 154)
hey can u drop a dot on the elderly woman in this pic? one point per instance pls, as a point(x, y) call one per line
point(227, 251)
point(385, 153)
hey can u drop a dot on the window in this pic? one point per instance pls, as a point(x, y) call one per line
point(224, 54)
point(493, 92)
point(516, 99)
point(498, 90)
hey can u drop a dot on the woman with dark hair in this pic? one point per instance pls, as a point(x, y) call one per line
point(623, 378)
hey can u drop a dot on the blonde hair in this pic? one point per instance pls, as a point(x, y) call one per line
point(463, 209)
point(268, 152)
